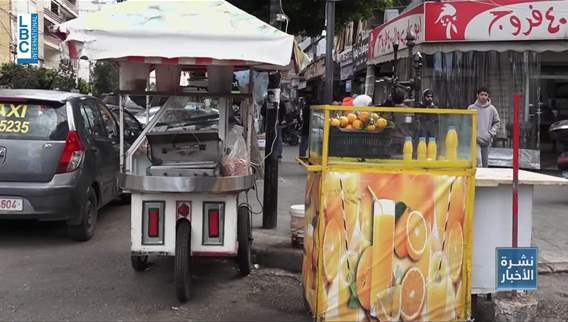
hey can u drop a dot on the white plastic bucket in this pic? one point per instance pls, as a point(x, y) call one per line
point(297, 224)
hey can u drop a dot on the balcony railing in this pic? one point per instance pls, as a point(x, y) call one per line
point(52, 41)
point(69, 6)
point(51, 15)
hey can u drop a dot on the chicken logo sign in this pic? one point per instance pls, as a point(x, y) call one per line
point(447, 18)
point(496, 20)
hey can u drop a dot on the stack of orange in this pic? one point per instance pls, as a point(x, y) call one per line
point(360, 121)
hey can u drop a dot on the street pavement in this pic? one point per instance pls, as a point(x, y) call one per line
point(44, 276)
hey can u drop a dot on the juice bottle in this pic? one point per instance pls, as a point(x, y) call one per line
point(383, 246)
point(422, 152)
point(432, 148)
point(452, 144)
point(407, 149)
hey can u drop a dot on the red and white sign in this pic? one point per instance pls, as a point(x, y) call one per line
point(382, 38)
point(496, 20)
point(474, 20)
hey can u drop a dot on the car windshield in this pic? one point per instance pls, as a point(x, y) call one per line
point(37, 121)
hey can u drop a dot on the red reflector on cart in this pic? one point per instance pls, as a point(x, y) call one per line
point(214, 223)
point(183, 209)
point(153, 222)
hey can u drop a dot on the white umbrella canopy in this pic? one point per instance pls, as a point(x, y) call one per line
point(191, 32)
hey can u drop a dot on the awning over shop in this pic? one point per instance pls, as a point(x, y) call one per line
point(176, 32)
point(484, 25)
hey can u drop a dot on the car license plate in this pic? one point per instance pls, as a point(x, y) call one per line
point(11, 204)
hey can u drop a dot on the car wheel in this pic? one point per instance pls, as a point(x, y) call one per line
point(182, 261)
point(245, 240)
point(86, 228)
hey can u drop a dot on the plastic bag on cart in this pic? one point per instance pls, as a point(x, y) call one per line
point(237, 159)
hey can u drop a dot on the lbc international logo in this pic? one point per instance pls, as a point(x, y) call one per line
point(27, 51)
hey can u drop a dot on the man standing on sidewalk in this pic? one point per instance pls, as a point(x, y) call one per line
point(488, 123)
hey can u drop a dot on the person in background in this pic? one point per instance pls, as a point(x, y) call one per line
point(428, 123)
point(428, 99)
point(488, 123)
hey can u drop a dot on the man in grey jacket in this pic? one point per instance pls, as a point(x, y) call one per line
point(488, 123)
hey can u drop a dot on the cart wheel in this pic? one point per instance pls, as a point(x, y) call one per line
point(139, 262)
point(245, 240)
point(182, 272)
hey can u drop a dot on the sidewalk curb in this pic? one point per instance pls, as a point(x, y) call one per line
point(274, 251)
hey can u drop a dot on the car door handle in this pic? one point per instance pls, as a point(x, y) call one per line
point(94, 149)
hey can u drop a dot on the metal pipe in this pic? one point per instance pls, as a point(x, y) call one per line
point(121, 128)
point(329, 40)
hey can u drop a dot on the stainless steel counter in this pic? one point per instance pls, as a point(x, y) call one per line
point(150, 184)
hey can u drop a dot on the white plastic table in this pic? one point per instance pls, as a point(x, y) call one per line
point(492, 222)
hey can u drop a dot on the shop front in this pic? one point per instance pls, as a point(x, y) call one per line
point(509, 46)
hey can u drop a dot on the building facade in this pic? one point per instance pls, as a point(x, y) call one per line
point(50, 12)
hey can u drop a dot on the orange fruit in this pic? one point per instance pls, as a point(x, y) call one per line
point(349, 127)
point(351, 117)
point(371, 127)
point(335, 122)
point(416, 235)
point(413, 294)
point(333, 249)
point(381, 123)
point(357, 124)
point(364, 116)
point(388, 304)
point(453, 249)
point(363, 278)
point(343, 121)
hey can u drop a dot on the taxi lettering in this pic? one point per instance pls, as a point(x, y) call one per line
point(12, 110)
point(17, 115)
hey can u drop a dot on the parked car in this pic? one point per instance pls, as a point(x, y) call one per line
point(59, 158)
point(132, 127)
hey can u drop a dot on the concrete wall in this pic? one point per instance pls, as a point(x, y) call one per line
point(5, 32)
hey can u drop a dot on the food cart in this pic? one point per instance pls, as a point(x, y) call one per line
point(389, 214)
point(189, 170)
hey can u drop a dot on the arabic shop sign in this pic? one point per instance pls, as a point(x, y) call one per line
point(382, 38)
point(346, 63)
point(516, 268)
point(480, 20)
point(499, 20)
point(360, 51)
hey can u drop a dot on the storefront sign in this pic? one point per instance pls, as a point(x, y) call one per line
point(27, 43)
point(315, 69)
point(483, 20)
point(346, 63)
point(498, 20)
point(361, 51)
point(383, 37)
point(516, 268)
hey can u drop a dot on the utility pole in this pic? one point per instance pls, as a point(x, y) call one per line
point(270, 200)
point(329, 42)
